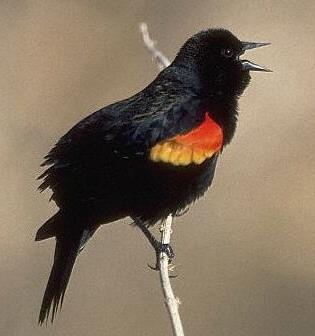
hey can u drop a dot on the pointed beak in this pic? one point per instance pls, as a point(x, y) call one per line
point(251, 66)
point(253, 45)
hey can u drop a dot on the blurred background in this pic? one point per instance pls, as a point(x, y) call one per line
point(245, 252)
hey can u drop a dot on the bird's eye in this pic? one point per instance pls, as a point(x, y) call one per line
point(227, 52)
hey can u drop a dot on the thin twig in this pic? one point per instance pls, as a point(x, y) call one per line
point(158, 56)
point(171, 301)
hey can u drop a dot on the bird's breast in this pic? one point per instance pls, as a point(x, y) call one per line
point(193, 147)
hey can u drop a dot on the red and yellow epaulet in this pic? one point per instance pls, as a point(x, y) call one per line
point(195, 146)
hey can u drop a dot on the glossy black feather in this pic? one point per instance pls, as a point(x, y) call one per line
point(100, 170)
point(67, 247)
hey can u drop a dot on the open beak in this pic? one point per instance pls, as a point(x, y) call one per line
point(251, 66)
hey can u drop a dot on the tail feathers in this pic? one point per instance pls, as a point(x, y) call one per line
point(65, 254)
point(49, 228)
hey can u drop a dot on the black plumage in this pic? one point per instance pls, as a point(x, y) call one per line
point(100, 170)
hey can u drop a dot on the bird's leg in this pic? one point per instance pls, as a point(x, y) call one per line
point(157, 245)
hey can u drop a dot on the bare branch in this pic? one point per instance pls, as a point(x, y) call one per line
point(157, 55)
point(171, 301)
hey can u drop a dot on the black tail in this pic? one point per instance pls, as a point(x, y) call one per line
point(51, 227)
point(67, 247)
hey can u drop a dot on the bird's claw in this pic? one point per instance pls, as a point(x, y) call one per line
point(154, 268)
point(157, 268)
point(167, 249)
point(162, 248)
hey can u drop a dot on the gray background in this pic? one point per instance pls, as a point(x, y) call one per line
point(246, 251)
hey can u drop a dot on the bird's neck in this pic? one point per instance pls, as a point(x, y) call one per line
point(226, 116)
point(221, 106)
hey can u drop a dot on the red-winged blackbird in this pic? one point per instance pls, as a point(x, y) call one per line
point(147, 156)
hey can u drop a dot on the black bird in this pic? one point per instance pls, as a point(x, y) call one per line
point(147, 156)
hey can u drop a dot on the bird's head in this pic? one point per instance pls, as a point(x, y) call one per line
point(215, 55)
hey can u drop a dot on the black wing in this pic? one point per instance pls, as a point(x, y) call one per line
point(169, 106)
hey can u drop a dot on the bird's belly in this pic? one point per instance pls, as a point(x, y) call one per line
point(167, 189)
point(140, 187)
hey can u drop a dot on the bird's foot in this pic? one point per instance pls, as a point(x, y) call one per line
point(162, 248)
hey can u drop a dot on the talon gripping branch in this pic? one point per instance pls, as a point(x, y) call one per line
point(147, 156)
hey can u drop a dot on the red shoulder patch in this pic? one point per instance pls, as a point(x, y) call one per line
point(194, 146)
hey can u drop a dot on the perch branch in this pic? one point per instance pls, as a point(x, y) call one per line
point(171, 301)
point(158, 56)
